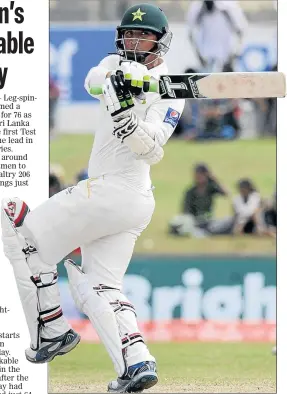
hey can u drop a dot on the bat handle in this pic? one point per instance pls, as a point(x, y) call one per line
point(97, 90)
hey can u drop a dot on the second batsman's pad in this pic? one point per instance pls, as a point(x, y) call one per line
point(36, 281)
point(112, 316)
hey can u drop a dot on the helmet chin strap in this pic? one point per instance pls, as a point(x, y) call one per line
point(138, 57)
point(141, 58)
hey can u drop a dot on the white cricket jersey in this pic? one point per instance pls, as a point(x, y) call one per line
point(109, 155)
point(214, 32)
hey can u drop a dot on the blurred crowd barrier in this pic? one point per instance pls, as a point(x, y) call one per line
point(111, 10)
point(198, 299)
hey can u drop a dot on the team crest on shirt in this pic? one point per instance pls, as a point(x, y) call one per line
point(172, 117)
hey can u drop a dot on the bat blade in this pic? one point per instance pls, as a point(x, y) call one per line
point(217, 85)
point(221, 85)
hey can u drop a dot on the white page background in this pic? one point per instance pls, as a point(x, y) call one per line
point(27, 74)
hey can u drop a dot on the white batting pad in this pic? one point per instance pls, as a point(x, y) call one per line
point(100, 313)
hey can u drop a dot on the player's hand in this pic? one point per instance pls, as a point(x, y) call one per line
point(136, 77)
point(117, 97)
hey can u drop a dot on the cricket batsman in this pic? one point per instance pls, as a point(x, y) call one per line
point(103, 215)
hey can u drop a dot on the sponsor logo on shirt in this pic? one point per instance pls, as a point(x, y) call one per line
point(172, 117)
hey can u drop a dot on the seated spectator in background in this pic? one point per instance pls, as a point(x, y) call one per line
point(197, 211)
point(58, 170)
point(208, 119)
point(270, 216)
point(55, 185)
point(56, 178)
point(219, 119)
point(247, 208)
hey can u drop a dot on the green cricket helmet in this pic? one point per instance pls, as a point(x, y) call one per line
point(146, 17)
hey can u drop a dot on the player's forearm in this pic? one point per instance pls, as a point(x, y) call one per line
point(148, 135)
point(142, 141)
point(149, 146)
point(157, 131)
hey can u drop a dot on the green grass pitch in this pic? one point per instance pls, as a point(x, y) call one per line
point(182, 368)
point(229, 161)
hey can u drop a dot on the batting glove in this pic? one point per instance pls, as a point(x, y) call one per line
point(136, 77)
point(117, 98)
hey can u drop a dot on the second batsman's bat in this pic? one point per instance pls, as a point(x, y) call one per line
point(217, 85)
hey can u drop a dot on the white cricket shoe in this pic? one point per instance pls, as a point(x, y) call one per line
point(50, 348)
point(139, 377)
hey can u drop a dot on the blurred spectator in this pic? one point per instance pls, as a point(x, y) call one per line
point(122, 6)
point(266, 116)
point(56, 179)
point(197, 210)
point(266, 109)
point(82, 175)
point(55, 185)
point(54, 94)
point(275, 66)
point(218, 119)
point(270, 215)
point(271, 113)
point(216, 30)
point(58, 170)
point(208, 119)
point(271, 117)
point(247, 206)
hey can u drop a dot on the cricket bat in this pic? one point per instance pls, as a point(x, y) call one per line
point(224, 85)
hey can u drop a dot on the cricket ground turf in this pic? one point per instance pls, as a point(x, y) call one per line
point(182, 368)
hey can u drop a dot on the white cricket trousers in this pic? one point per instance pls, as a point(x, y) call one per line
point(103, 216)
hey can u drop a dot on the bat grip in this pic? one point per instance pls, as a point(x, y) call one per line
point(98, 90)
